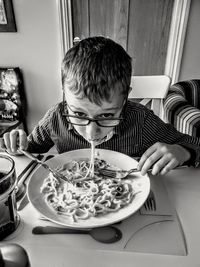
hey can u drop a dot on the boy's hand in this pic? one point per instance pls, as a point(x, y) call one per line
point(162, 158)
point(14, 140)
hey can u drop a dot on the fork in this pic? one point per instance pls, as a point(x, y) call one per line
point(150, 203)
point(55, 173)
point(121, 174)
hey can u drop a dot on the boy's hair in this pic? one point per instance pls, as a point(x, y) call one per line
point(95, 67)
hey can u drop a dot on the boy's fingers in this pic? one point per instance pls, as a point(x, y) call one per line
point(144, 159)
point(160, 165)
point(22, 140)
point(6, 138)
point(2, 145)
point(14, 136)
point(14, 140)
point(170, 166)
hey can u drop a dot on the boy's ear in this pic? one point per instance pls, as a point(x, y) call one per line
point(130, 89)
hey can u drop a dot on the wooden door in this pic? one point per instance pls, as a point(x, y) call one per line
point(141, 26)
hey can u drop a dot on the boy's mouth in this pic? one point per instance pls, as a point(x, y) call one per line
point(97, 141)
point(101, 140)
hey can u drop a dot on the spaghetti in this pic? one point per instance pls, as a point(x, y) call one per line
point(87, 193)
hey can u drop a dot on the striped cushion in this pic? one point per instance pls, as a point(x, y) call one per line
point(182, 107)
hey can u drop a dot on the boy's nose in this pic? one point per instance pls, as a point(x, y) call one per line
point(92, 131)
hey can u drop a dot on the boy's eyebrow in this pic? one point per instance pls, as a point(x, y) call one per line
point(106, 109)
point(111, 108)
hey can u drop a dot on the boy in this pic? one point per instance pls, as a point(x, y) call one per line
point(96, 75)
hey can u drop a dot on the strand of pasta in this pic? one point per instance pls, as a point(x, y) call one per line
point(96, 195)
point(90, 171)
point(93, 202)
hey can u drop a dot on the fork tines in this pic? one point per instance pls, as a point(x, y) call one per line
point(108, 172)
point(150, 203)
point(59, 175)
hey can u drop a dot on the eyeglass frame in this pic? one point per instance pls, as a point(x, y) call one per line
point(88, 118)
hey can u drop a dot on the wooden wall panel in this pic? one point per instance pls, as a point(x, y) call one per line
point(110, 18)
point(106, 18)
point(140, 26)
point(80, 18)
point(121, 17)
point(149, 25)
point(101, 23)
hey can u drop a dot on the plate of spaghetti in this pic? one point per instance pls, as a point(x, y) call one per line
point(88, 199)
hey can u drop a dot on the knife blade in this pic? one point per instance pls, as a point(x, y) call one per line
point(23, 203)
point(25, 199)
point(21, 187)
point(32, 167)
point(25, 170)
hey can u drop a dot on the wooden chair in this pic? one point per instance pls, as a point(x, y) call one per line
point(150, 91)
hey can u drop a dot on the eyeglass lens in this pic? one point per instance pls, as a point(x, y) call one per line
point(84, 122)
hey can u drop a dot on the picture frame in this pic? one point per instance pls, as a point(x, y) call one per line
point(7, 17)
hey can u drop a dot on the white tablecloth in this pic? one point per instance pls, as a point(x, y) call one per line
point(183, 186)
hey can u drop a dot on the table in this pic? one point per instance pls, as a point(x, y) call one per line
point(183, 186)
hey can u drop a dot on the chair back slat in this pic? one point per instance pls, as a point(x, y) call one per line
point(151, 90)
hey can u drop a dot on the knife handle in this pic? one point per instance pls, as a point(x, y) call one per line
point(42, 230)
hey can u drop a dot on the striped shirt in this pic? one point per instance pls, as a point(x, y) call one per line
point(139, 130)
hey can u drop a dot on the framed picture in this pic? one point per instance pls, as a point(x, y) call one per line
point(7, 17)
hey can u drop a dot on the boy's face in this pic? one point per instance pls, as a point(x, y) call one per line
point(82, 107)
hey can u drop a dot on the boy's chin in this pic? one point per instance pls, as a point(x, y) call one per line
point(100, 140)
point(96, 141)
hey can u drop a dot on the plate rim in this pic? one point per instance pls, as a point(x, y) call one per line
point(74, 225)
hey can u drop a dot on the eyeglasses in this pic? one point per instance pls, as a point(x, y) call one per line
point(84, 121)
point(110, 122)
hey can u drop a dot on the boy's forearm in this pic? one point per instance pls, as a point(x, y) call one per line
point(34, 147)
point(39, 140)
point(37, 144)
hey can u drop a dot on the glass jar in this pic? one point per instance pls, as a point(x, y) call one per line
point(9, 219)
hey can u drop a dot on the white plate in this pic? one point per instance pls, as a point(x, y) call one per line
point(115, 158)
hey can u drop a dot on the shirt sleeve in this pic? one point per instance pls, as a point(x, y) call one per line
point(39, 141)
point(155, 130)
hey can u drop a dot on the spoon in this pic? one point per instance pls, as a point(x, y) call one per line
point(107, 234)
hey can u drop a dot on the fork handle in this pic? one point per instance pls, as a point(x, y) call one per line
point(30, 156)
point(136, 170)
point(176, 168)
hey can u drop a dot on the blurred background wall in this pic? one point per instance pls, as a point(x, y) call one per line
point(35, 48)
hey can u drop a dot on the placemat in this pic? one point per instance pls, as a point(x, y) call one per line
point(144, 233)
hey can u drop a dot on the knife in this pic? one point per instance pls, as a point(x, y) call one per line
point(21, 187)
point(30, 169)
point(25, 170)
point(24, 202)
